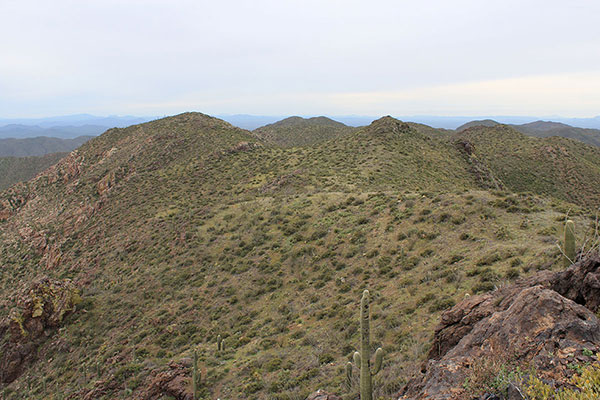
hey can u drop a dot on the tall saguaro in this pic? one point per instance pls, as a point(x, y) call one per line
point(362, 358)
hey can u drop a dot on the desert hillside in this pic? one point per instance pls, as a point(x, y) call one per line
point(151, 242)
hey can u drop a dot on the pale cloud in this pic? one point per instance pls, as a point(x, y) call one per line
point(299, 57)
point(576, 94)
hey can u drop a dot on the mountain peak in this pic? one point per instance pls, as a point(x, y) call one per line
point(298, 131)
point(198, 117)
point(297, 121)
point(388, 124)
point(481, 122)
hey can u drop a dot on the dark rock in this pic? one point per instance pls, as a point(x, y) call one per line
point(490, 396)
point(514, 393)
point(581, 282)
point(536, 321)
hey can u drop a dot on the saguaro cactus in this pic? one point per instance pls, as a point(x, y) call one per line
point(220, 343)
point(362, 358)
point(569, 244)
point(349, 374)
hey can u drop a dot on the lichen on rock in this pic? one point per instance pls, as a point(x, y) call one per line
point(40, 308)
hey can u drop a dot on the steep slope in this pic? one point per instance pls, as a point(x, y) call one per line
point(19, 169)
point(555, 166)
point(39, 146)
point(186, 228)
point(298, 131)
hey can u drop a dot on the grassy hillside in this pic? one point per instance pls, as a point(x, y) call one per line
point(427, 130)
point(185, 228)
point(555, 166)
point(39, 146)
point(298, 131)
point(544, 129)
point(19, 169)
point(548, 129)
point(483, 122)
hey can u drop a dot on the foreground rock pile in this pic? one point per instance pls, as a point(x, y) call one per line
point(547, 322)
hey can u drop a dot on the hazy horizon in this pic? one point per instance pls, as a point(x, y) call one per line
point(45, 126)
point(309, 58)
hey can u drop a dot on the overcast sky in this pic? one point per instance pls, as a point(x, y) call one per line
point(376, 57)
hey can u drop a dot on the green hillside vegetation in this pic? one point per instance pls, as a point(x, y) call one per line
point(547, 129)
point(298, 131)
point(39, 146)
point(482, 122)
point(186, 228)
point(544, 129)
point(434, 133)
point(20, 169)
point(555, 166)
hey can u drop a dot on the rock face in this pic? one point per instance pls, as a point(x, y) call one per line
point(174, 383)
point(546, 321)
point(580, 282)
point(40, 308)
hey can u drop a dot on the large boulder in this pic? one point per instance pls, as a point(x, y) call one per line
point(546, 321)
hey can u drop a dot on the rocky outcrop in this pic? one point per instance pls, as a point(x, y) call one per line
point(580, 282)
point(239, 148)
point(106, 183)
point(40, 308)
point(546, 321)
point(322, 395)
point(173, 383)
point(482, 173)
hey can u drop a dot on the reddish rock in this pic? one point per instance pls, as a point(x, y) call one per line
point(546, 321)
point(106, 183)
point(174, 382)
point(40, 309)
point(322, 395)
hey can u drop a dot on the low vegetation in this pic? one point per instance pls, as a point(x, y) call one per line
point(186, 228)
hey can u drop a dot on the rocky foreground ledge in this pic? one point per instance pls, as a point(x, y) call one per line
point(546, 322)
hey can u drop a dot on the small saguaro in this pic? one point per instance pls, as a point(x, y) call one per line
point(220, 343)
point(569, 243)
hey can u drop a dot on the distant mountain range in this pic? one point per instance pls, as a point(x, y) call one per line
point(39, 146)
point(67, 127)
point(72, 126)
point(252, 122)
point(78, 120)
